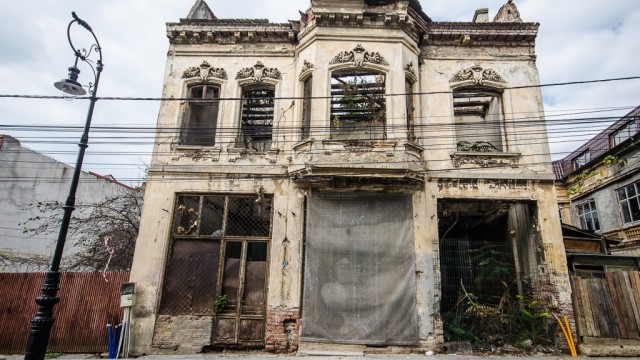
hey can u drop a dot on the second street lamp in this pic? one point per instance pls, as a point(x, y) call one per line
point(43, 320)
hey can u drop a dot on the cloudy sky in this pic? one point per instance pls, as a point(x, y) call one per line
point(578, 40)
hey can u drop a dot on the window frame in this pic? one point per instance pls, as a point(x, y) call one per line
point(307, 103)
point(586, 155)
point(186, 127)
point(631, 128)
point(243, 140)
point(628, 199)
point(592, 213)
point(410, 108)
point(495, 128)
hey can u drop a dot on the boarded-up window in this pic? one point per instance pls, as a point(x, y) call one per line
point(478, 120)
point(360, 285)
point(256, 126)
point(358, 105)
point(201, 116)
point(202, 226)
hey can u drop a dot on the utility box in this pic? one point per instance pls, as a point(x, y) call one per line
point(127, 294)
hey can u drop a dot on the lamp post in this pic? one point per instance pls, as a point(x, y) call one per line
point(43, 320)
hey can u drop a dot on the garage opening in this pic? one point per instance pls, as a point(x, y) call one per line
point(359, 285)
point(489, 258)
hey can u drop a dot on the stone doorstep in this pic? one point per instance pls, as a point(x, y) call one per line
point(609, 347)
point(321, 349)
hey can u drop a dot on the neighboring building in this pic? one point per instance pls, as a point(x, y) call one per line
point(342, 179)
point(600, 184)
point(28, 178)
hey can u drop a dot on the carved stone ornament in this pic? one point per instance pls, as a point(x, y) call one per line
point(486, 160)
point(307, 66)
point(198, 155)
point(204, 72)
point(478, 146)
point(358, 56)
point(410, 71)
point(259, 72)
point(476, 75)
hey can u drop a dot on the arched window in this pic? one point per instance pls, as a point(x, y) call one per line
point(256, 124)
point(478, 119)
point(201, 116)
point(358, 104)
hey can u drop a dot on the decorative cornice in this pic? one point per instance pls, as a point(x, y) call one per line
point(358, 56)
point(484, 34)
point(478, 146)
point(259, 72)
point(476, 75)
point(229, 31)
point(204, 72)
point(485, 160)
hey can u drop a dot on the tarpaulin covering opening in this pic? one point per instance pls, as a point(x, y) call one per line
point(359, 285)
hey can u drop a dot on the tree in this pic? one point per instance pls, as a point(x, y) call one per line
point(103, 234)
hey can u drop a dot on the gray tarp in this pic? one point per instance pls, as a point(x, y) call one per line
point(359, 281)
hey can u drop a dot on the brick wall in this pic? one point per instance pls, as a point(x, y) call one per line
point(283, 330)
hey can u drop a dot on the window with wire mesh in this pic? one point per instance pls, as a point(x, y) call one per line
point(201, 226)
point(201, 116)
point(358, 105)
point(256, 126)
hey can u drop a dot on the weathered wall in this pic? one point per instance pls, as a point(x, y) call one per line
point(28, 178)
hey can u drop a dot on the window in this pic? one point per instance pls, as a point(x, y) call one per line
point(408, 86)
point(306, 108)
point(624, 133)
point(201, 116)
point(358, 105)
point(202, 226)
point(256, 126)
point(629, 198)
point(588, 216)
point(581, 160)
point(478, 120)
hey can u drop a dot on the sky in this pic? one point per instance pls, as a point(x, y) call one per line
point(578, 40)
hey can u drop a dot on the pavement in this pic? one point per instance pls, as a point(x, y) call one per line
point(263, 356)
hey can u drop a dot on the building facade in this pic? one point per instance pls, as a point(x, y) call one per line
point(332, 176)
point(29, 181)
point(599, 184)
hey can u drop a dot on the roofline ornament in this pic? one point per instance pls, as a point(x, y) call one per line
point(204, 72)
point(359, 56)
point(259, 72)
point(476, 75)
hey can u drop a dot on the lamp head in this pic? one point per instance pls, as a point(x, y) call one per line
point(71, 85)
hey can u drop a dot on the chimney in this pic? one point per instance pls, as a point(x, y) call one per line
point(481, 16)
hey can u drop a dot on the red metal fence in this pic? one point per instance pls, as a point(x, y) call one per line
point(87, 304)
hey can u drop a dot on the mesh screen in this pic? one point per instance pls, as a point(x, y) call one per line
point(359, 270)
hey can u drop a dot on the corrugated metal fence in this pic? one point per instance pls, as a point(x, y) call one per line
point(608, 307)
point(87, 304)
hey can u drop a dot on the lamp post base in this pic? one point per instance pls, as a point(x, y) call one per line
point(42, 322)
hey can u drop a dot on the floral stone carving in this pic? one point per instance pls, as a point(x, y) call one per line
point(477, 75)
point(359, 56)
point(204, 72)
point(259, 72)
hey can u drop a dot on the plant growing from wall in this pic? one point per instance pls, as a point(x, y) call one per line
point(221, 302)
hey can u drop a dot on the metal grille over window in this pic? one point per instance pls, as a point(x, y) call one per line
point(257, 119)
point(478, 120)
point(204, 225)
point(408, 85)
point(201, 116)
point(358, 105)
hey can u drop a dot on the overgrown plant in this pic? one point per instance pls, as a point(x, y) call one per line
point(221, 302)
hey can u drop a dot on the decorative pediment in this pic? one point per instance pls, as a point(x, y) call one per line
point(477, 75)
point(485, 159)
point(258, 73)
point(359, 56)
point(204, 72)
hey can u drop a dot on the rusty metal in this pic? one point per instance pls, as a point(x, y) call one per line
point(87, 304)
point(220, 246)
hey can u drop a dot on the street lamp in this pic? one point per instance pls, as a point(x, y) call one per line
point(43, 320)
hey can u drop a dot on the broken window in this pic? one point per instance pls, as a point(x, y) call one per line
point(201, 116)
point(306, 108)
point(629, 199)
point(478, 120)
point(408, 85)
point(204, 225)
point(624, 133)
point(588, 215)
point(358, 105)
point(488, 263)
point(256, 126)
